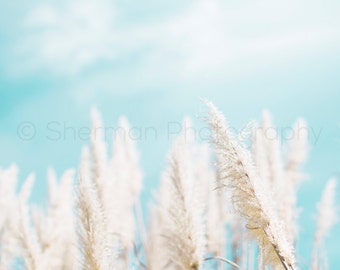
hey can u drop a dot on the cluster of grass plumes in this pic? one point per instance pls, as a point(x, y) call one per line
point(228, 206)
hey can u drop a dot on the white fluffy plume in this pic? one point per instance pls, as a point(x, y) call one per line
point(93, 239)
point(250, 199)
point(180, 211)
point(326, 218)
point(111, 188)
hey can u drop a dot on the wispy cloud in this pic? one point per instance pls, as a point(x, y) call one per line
point(99, 45)
point(69, 37)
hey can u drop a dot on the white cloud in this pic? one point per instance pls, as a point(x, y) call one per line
point(208, 37)
point(214, 35)
point(68, 38)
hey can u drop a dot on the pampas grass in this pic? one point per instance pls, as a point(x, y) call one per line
point(249, 198)
point(92, 229)
point(228, 205)
point(181, 211)
point(326, 218)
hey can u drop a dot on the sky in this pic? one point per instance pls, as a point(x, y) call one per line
point(153, 61)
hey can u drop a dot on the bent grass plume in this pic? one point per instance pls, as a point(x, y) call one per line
point(249, 197)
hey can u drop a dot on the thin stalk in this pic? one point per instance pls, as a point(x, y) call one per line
point(223, 260)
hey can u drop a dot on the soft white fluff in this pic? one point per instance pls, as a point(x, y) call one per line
point(273, 157)
point(126, 185)
point(281, 178)
point(182, 232)
point(58, 238)
point(31, 251)
point(296, 156)
point(92, 221)
point(115, 185)
point(214, 206)
point(250, 199)
point(8, 217)
point(326, 218)
point(297, 151)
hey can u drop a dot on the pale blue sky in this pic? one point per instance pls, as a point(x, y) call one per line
point(153, 60)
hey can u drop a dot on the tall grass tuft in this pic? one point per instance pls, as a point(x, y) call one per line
point(228, 205)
